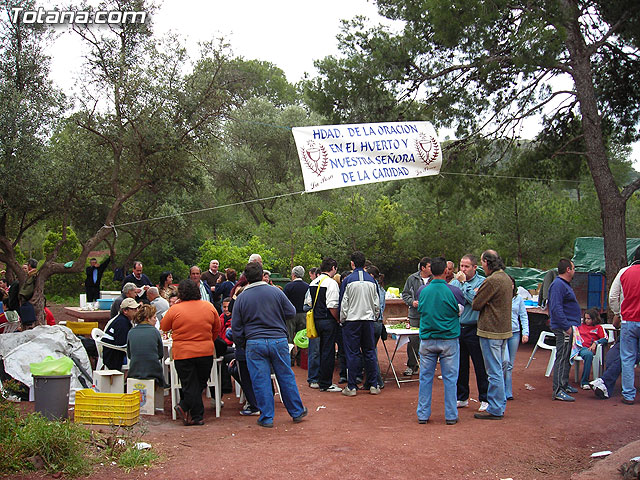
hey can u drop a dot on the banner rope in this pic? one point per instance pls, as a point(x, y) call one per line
point(191, 212)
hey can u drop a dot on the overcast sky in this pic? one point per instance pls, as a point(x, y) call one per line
point(289, 33)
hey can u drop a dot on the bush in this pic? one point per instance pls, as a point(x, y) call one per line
point(234, 256)
point(64, 285)
point(30, 442)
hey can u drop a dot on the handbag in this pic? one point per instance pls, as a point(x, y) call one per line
point(311, 324)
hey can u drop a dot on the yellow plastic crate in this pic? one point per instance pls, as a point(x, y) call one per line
point(81, 328)
point(107, 408)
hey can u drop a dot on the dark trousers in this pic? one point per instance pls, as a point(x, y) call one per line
point(413, 347)
point(377, 333)
point(561, 366)
point(193, 374)
point(240, 372)
point(226, 376)
point(358, 336)
point(93, 293)
point(327, 329)
point(342, 359)
point(470, 348)
point(613, 368)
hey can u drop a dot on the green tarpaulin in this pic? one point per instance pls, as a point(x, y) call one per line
point(528, 278)
point(588, 253)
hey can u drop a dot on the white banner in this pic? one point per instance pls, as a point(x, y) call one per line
point(334, 156)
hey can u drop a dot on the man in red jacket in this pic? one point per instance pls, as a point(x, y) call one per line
point(624, 300)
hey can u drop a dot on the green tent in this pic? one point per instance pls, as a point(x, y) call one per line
point(588, 253)
point(528, 278)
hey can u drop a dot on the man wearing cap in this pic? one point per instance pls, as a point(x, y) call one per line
point(115, 333)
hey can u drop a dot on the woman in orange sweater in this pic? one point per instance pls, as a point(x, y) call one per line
point(195, 325)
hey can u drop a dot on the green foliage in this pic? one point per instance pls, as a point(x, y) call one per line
point(62, 446)
point(30, 441)
point(234, 256)
point(153, 269)
point(69, 250)
point(67, 285)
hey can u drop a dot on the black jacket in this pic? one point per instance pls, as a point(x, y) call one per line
point(88, 282)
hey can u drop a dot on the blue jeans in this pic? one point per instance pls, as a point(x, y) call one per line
point(510, 358)
point(629, 349)
point(263, 354)
point(587, 357)
point(448, 351)
point(313, 360)
point(493, 353)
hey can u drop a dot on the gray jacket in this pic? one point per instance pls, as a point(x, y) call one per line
point(410, 293)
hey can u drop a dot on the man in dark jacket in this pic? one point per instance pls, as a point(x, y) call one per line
point(94, 277)
point(564, 313)
point(295, 292)
point(116, 332)
point(410, 297)
point(259, 325)
point(140, 280)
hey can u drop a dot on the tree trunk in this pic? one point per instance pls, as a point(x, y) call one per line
point(612, 203)
point(518, 236)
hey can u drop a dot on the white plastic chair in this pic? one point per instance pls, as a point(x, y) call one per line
point(215, 380)
point(174, 385)
point(96, 335)
point(542, 344)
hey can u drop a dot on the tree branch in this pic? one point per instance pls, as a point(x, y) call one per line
point(630, 189)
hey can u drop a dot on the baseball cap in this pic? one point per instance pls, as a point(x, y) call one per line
point(129, 303)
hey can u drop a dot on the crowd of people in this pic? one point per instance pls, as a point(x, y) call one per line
point(462, 318)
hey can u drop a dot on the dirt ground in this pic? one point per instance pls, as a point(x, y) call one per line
point(379, 437)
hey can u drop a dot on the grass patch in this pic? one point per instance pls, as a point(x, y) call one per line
point(31, 442)
point(133, 457)
point(62, 299)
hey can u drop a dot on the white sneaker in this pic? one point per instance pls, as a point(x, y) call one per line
point(463, 403)
point(483, 406)
point(599, 388)
point(374, 390)
point(332, 388)
point(349, 392)
point(314, 385)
